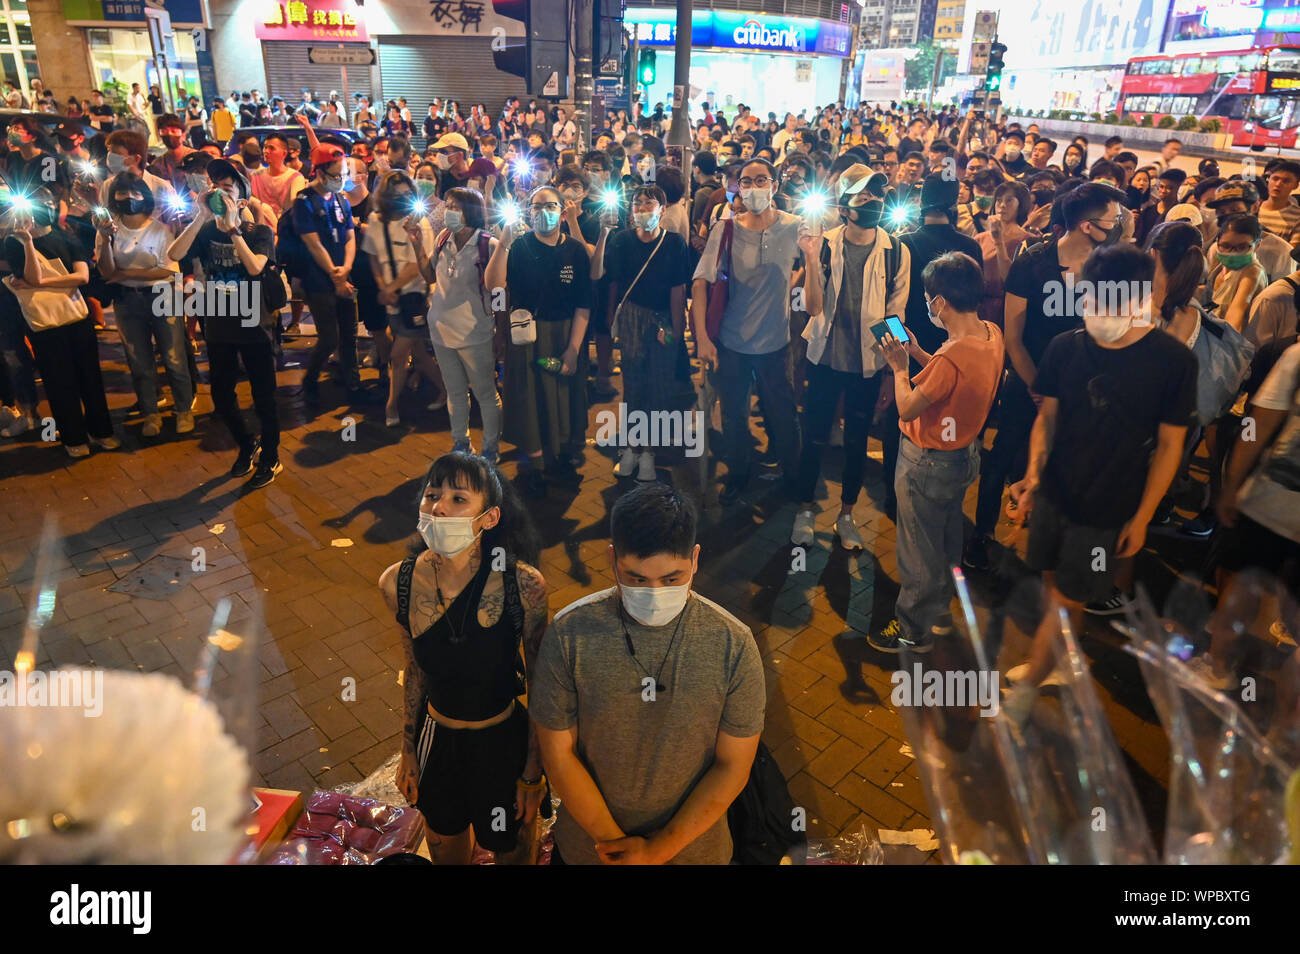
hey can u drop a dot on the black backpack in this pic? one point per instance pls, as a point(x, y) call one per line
point(762, 817)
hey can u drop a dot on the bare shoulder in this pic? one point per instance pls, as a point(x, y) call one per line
point(532, 585)
point(388, 585)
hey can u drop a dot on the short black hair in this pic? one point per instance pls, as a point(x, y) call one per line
point(758, 161)
point(914, 154)
point(670, 179)
point(1127, 156)
point(1289, 166)
point(1168, 141)
point(957, 277)
point(941, 146)
point(653, 519)
point(706, 162)
point(1119, 263)
point(1207, 185)
point(1105, 169)
point(1114, 141)
point(572, 173)
point(597, 157)
point(1243, 223)
point(1087, 201)
point(1050, 142)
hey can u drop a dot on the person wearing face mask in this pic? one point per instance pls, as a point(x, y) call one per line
point(622, 672)
point(999, 244)
point(973, 218)
point(128, 151)
point(131, 252)
point(1165, 197)
point(1037, 309)
point(401, 289)
point(322, 217)
point(168, 165)
point(233, 250)
point(760, 254)
point(1236, 277)
point(68, 355)
point(548, 281)
point(1117, 398)
point(467, 602)
point(28, 166)
point(851, 282)
point(457, 169)
point(649, 269)
point(576, 219)
point(941, 412)
point(1011, 153)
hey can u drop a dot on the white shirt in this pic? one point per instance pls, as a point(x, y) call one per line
point(1267, 502)
point(142, 248)
point(457, 316)
point(138, 103)
point(403, 254)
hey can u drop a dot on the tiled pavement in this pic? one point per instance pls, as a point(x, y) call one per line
point(280, 556)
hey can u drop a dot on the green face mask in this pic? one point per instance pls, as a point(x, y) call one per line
point(983, 202)
point(1237, 261)
point(426, 188)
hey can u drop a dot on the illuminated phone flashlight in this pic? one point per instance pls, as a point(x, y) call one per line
point(900, 215)
point(814, 207)
point(177, 203)
point(20, 202)
point(419, 208)
point(99, 210)
point(522, 168)
point(610, 198)
point(511, 214)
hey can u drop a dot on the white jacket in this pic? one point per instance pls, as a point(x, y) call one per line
point(877, 302)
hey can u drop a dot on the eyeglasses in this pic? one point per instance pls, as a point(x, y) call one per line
point(547, 207)
point(759, 182)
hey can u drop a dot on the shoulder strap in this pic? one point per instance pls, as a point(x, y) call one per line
point(388, 243)
point(514, 604)
point(728, 234)
point(662, 235)
point(443, 238)
point(1295, 291)
point(404, 575)
point(826, 262)
point(893, 257)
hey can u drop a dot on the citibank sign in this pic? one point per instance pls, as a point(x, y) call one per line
point(751, 33)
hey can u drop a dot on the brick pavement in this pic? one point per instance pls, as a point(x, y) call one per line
point(322, 619)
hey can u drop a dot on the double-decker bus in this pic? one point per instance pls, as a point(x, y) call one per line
point(1254, 93)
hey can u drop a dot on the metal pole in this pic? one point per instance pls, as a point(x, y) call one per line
point(584, 80)
point(679, 133)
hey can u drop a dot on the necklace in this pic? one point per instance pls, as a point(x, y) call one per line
point(631, 650)
point(458, 632)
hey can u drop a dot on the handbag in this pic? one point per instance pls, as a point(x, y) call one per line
point(523, 327)
point(47, 308)
point(613, 324)
point(412, 307)
point(1223, 356)
point(719, 290)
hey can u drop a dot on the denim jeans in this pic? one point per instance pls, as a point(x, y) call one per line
point(931, 485)
point(737, 376)
point(142, 331)
point(465, 370)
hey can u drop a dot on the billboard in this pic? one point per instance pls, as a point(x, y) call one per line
point(730, 30)
point(1052, 34)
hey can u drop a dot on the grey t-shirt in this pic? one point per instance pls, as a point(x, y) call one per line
point(646, 757)
point(845, 351)
point(757, 320)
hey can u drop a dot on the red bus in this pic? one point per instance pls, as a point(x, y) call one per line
point(1254, 93)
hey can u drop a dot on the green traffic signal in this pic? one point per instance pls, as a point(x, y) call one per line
point(995, 81)
point(646, 67)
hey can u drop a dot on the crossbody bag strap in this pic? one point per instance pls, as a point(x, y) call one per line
point(388, 241)
point(662, 235)
point(514, 605)
point(404, 574)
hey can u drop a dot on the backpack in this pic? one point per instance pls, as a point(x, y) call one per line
point(893, 259)
point(1223, 358)
point(484, 248)
point(291, 251)
point(761, 819)
point(274, 285)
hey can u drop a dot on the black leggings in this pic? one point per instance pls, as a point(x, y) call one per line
point(259, 362)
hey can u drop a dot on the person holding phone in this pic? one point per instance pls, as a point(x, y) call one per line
point(940, 416)
point(852, 282)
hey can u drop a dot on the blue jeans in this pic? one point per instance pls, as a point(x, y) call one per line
point(931, 485)
point(141, 332)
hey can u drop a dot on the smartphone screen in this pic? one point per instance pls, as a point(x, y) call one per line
point(895, 326)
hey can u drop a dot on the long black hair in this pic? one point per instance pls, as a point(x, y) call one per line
point(1178, 247)
point(514, 532)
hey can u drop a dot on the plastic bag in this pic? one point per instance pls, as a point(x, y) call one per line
point(856, 847)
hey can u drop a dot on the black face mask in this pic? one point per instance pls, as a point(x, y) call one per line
point(1043, 197)
point(45, 215)
point(866, 216)
point(131, 206)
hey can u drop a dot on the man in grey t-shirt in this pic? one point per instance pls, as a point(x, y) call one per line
point(755, 330)
point(648, 701)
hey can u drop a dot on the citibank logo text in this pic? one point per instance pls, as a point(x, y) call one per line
point(753, 33)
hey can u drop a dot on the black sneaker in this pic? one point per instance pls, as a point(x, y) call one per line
point(264, 474)
point(891, 640)
point(1202, 525)
point(311, 392)
point(247, 457)
point(730, 492)
point(1113, 605)
point(976, 554)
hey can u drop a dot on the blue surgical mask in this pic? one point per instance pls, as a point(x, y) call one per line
point(454, 220)
point(546, 221)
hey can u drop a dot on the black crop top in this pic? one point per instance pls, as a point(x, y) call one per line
point(476, 675)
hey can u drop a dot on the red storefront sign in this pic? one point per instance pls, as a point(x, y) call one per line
point(339, 20)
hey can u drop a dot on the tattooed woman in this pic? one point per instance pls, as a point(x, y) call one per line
point(466, 602)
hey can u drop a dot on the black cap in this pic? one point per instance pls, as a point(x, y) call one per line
point(69, 129)
point(939, 192)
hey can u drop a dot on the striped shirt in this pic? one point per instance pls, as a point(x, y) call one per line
point(1283, 223)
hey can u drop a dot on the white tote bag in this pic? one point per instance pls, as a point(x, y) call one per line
point(46, 308)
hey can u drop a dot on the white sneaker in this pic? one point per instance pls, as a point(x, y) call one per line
point(850, 539)
point(184, 422)
point(77, 450)
point(152, 425)
point(646, 468)
point(837, 433)
point(19, 426)
point(626, 463)
point(1203, 666)
point(804, 524)
point(106, 443)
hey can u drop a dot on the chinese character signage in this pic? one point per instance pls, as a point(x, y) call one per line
point(724, 29)
point(338, 20)
point(439, 18)
point(124, 12)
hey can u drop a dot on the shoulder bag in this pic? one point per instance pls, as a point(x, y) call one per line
point(47, 308)
point(613, 324)
point(720, 289)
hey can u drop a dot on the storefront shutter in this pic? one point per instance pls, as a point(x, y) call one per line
point(288, 71)
point(449, 67)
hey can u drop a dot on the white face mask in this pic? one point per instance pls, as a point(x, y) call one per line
point(442, 161)
point(116, 162)
point(934, 318)
point(646, 221)
point(1013, 153)
point(197, 183)
point(756, 200)
point(654, 605)
point(447, 536)
point(1107, 330)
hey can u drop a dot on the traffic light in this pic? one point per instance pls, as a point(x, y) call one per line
point(541, 55)
point(993, 75)
point(645, 68)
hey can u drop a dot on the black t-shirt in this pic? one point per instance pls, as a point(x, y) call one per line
point(103, 116)
point(1018, 167)
point(925, 245)
point(215, 251)
point(434, 128)
point(550, 281)
point(156, 104)
point(1112, 403)
point(42, 169)
point(625, 253)
point(55, 244)
point(906, 145)
point(588, 225)
point(1036, 276)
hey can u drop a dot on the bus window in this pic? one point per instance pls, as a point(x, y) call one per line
point(1232, 106)
point(1248, 61)
point(1275, 112)
point(1284, 61)
point(1135, 67)
point(1176, 67)
point(1151, 67)
point(1227, 64)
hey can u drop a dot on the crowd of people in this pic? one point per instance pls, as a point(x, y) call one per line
point(919, 276)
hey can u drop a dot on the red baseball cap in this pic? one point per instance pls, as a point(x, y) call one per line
point(326, 152)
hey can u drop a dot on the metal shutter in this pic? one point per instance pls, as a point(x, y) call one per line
point(449, 67)
point(287, 72)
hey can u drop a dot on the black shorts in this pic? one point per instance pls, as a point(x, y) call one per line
point(1083, 558)
point(1251, 545)
point(468, 776)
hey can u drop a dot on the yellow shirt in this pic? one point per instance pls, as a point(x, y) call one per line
point(223, 125)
